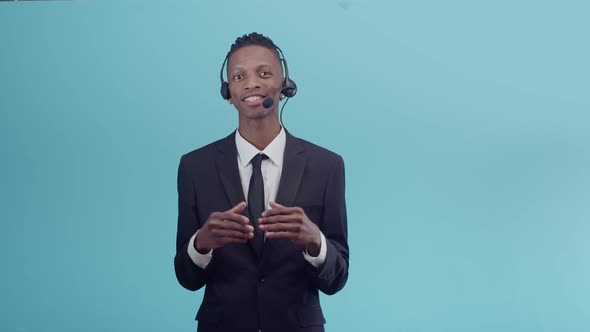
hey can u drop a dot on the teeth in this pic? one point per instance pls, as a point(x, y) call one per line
point(252, 98)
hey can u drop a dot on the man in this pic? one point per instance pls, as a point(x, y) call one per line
point(262, 215)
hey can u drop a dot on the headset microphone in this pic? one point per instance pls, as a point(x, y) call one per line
point(268, 102)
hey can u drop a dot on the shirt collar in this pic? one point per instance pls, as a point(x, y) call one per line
point(274, 150)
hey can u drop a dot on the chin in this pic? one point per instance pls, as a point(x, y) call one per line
point(257, 113)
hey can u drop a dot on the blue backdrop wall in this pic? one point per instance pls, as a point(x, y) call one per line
point(464, 127)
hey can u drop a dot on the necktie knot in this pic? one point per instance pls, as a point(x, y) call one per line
point(257, 160)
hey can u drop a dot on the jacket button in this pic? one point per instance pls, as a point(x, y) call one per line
point(261, 280)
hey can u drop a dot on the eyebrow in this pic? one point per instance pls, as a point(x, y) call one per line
point(257, 67)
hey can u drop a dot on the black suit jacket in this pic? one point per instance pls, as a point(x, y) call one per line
point(277, 291)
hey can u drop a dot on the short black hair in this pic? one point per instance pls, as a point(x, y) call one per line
point(253, 38)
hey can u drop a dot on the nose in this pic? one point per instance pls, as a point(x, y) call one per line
point(251, 82)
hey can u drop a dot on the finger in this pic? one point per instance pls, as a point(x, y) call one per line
point(222, 233)
point(281, 218)
point(283, 227)
point(280, 210)
point(282, 235)
point(231, 225)
point(274, 211)
point(238, 208)
point(235, 217)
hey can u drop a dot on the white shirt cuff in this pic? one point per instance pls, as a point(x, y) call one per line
point(199, 259)
point(321, 258)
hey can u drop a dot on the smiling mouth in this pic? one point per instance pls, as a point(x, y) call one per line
point(252, 98)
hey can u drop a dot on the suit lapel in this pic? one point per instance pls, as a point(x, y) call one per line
point(293, 166)
point(227, 168)
point(291, 175)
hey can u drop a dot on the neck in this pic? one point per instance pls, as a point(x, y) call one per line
point(259, 133)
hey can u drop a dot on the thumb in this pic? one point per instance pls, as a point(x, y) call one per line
point(275, 205)
point(238, 208)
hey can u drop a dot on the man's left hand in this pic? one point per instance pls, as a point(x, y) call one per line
point(281, 222)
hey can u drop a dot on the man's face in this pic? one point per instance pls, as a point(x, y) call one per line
point(254, 73)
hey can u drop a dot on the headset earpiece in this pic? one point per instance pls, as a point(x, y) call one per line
point(224, 85)
point(289, 88)
point(225, 90)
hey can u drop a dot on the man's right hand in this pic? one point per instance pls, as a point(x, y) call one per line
point(222, 228)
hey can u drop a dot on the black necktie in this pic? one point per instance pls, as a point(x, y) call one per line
point(256, 201)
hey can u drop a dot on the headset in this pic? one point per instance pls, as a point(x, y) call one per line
point(289, 88)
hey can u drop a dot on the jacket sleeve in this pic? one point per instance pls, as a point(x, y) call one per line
point(189, 275)
point(332, 275)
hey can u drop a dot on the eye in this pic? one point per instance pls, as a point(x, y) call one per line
point(237, 77)
point(265, 73)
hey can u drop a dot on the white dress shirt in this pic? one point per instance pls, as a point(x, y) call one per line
point(271, 175)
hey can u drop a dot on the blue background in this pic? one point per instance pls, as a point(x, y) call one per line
point(464, 126)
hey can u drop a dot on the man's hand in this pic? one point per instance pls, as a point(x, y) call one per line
point(281, 222)
point(222, 228)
